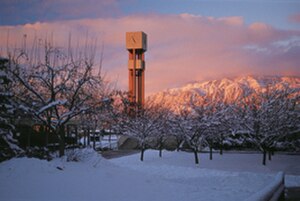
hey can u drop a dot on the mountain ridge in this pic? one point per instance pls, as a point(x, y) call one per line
point(228, 89)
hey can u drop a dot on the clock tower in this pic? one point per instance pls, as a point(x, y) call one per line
point(136, 44)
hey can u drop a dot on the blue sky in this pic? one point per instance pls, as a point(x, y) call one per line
point(273, 12)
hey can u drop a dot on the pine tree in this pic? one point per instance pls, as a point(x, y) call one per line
point(8, 145)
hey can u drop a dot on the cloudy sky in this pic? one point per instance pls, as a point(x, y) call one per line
point(188, 40)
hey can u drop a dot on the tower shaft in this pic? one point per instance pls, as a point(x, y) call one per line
point(136, 43)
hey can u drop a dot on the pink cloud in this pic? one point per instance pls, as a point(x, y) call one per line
point(235, 20)
point(181, 48)
point(295, 18)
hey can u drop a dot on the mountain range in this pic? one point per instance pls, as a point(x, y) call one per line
point(227, 89)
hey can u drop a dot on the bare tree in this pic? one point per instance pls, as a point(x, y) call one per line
point(55, 87)
point(98, 118)
point(226, 115)
point(193, 134)
point(142, 126)
point(164, 127)
point(208, 115)
point(269, 116)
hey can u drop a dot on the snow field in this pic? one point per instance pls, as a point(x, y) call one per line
point(174, 177)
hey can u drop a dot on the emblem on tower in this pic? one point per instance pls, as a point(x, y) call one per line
point(136, 44)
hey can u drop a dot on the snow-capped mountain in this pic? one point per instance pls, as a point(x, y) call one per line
point(226, 89)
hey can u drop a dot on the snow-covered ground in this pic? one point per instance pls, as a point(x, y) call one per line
point(174, 177)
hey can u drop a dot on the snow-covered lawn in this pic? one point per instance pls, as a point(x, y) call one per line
point(174, 177)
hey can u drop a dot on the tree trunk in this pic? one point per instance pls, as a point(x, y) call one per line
point(46, 131)
point(142, 154)
point(46, 137)
point(109, 140)
point(88, 138)
point(76, 135)
point(61, 141)
point(210, 153)
point(94, 140)
point(84, 138)
point(264, 157)
point(270, 155)
point(221, 146)
point(28, 140)
point(160, 152)
point(196, 157)
point(160, 147)
point(178, 145)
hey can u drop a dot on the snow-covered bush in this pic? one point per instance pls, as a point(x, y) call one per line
point(87, 155)
point(38, 152)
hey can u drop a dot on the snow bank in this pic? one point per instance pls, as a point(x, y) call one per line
point(292, 180)
point(271, 191)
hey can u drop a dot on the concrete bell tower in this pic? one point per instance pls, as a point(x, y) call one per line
point(136, 44)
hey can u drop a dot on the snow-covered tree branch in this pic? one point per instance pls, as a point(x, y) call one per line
point(54, 87)
point(269, 116)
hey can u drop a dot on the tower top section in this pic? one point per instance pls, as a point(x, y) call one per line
point(136, 40)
